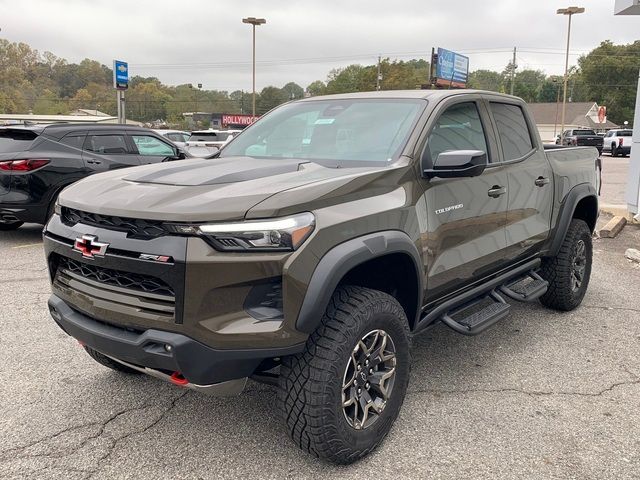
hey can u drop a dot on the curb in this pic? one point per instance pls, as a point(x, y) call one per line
point(613, 227)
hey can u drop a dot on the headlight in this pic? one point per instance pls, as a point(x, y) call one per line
point(276, 234)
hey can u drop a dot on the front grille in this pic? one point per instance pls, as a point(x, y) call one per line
point(117, 278)
point(135, 228)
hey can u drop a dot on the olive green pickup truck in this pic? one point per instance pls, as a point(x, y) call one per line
point(318, 243)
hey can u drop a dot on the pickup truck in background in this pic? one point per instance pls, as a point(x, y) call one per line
point(317, 244)
point(618, 142)
point(582, 137)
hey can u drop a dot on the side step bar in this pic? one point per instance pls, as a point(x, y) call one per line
point(470, 296)
point(528, 288)
point(479, 320)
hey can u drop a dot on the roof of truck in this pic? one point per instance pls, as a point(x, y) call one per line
point(406, 94)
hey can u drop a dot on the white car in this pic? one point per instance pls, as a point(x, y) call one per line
point(210, 140)
point(178, 137)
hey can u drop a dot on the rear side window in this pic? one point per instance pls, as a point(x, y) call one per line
point(74, 140)
point(16, 140)
point(513, 130)
point(458, 128)
point(106, 144)
point(625, 133)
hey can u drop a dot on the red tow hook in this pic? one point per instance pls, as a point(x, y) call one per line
point(178, 379)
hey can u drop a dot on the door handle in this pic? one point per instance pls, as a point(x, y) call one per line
point(93, 161)
point(497, 191)
point(541, 181)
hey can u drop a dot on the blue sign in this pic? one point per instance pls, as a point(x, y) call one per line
point(120, 75)
point(452, 68)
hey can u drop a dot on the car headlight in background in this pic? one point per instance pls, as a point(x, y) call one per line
point(276, 234)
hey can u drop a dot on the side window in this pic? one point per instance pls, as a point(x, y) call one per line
point(74, 140)
point(458, 128)
point(513, 130)
point(609, 134)
point(151, 146)
point(106, 144)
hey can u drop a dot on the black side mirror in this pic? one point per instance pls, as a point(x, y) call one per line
point(458, 163)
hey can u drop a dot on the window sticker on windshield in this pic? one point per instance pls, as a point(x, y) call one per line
point(325, 121)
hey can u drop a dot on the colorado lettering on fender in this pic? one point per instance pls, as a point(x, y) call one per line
point(448, 209)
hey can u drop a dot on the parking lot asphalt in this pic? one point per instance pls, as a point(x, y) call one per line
point(540, 395)
point(614, 179)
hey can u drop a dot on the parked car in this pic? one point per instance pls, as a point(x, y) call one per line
point(326, 235)
point(209, 141)
point(37, 162)
point(582, 137)
point(177, 137)
point(618, 142)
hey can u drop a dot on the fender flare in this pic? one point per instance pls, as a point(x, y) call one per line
point(577, 193)
point(338, 261)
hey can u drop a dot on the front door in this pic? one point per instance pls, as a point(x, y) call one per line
point(465, 217)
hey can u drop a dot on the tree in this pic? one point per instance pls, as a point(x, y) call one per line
point(317, 88)
point(486, 80)
point(293, 91)
point(609, 75)
point(270, 97)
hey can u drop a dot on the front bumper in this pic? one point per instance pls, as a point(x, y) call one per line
point(162, 353)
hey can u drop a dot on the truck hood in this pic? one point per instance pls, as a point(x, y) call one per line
point(198, 190)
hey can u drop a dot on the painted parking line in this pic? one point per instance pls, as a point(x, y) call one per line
point(28, 245)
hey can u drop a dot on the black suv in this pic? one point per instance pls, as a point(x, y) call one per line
point(37, 162)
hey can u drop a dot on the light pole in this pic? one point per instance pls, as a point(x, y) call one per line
point(254, 21)
point(570, 11)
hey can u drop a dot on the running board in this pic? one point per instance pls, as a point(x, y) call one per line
point(480, 319)
point(527, 288)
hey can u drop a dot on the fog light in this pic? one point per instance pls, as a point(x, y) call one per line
point(168, 347)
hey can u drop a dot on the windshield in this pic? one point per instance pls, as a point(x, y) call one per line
point(364, 130)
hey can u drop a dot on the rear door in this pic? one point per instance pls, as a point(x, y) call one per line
point(530, 178)
point(151, 149)
point(465, 217)
point(108, 150)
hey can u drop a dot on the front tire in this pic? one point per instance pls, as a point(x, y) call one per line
point(340, 397)
point(568, 273)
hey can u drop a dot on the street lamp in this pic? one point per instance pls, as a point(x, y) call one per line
point(570, 11)
point(254, 21)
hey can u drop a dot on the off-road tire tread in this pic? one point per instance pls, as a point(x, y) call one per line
point(107, 362)
point(557, 270)
point(304, 377)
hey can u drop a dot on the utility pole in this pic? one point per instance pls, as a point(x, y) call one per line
point(379, 77)
point(570, 12)
point(513, 69)
point(253, 22)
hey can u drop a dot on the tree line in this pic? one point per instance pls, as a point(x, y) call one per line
point(43, 83)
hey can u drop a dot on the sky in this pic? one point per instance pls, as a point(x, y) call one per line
point(205, 41)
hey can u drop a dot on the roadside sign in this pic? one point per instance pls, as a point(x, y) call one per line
point(120, 75)
point(452, 69)
point(245, 120)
